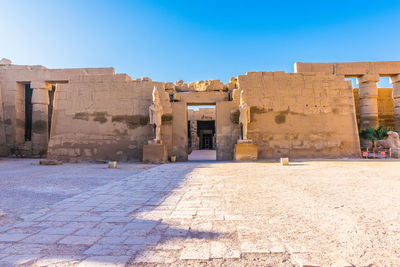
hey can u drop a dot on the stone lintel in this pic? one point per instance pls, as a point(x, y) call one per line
point(40, 85)
point(351, 69)
point(366, 78)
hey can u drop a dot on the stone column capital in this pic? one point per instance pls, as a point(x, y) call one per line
point(40, 96)
point(395, 79)
point(370, 77)
point(40, 85)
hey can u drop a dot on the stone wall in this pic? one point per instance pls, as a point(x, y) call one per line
point(105, 117)
point(202, 114)
point(367, 74)
point(227, 129)
point(3, 146)
point(301, 115)
point(203, 97)
point(12, 86)
point(98, 114)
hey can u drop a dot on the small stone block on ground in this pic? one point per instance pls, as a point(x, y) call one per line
point(154, 153)
point(284, 161)
point(112, 164)
point(50, 162)
point(246, 152)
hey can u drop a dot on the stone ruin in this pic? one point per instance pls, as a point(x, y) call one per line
point(96, 114)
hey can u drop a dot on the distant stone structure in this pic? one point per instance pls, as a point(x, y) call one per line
point(96, 114)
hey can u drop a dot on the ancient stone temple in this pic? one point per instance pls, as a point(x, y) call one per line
point(94, 113)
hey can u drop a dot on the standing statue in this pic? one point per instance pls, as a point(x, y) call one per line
point(156, 112)
point(244, 118)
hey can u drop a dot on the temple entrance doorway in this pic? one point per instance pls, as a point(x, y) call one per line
point(201, 132)
point(205, 133)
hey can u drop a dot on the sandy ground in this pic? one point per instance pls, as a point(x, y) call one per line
point(26, 186)
point(329, 213)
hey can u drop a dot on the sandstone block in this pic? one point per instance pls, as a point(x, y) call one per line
point(112, 164)
point(284, 161)
point(154, 153)
point(50, 162)
point(246, 152)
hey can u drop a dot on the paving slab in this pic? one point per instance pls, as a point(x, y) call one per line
point(258, 213)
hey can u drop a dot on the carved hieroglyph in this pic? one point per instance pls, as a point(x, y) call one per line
point(156, 112)
point(244, 118)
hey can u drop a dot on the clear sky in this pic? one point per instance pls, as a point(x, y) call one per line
point(197, 40)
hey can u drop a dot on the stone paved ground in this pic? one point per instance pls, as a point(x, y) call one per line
point(203, 155)
point(331, 213)
point(26, 186)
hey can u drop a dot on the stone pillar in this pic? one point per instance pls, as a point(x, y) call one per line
point(368, 100)
point(395, 80)
point(40, 117)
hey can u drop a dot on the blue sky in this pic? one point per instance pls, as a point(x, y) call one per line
point(197, 40)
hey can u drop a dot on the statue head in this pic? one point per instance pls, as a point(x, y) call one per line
point(243, 97)
point(156, 96)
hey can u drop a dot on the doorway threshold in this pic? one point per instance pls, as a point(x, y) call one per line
point(203, 155)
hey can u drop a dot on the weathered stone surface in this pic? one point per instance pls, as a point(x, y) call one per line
point(5, 61)
point(246, 152)
point(284, 161)
point(154, 153)
point(218, 213)
point(98, 114)
point(393, 142)
point(50, 162)
point(210, 85)
point(112, 164)
point(282, 115)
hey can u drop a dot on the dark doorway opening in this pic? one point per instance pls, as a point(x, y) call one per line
point(205, 132)
point(51, 105)
point(28, 112)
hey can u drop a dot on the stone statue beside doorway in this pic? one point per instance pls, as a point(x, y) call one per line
point(245, 149)
point(156, 112)
point(244, 118)
point(155, 151)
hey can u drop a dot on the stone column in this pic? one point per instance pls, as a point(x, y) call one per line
point(40, 117)
point(395, 80)
point(368, 100)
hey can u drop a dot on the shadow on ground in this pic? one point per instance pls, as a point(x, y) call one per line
point(112, 223)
